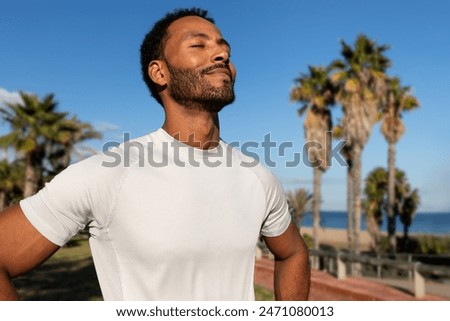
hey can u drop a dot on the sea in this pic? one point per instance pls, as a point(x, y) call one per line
point(437, 223)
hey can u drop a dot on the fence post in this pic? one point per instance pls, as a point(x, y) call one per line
point(314, 259)
point(341, 269)
point(330, 265)
point(378, 266)
point(409, 272)
point(419, 282)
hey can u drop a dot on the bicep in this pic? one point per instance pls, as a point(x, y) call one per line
point(287, 244)
point(22, 247)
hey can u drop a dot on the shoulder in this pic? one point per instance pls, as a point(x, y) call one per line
point(107, 166)
point(120, 155)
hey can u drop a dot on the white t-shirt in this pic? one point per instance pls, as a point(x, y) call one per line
point(167, 221)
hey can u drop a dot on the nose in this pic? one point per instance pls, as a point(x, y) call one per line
point(220, 54)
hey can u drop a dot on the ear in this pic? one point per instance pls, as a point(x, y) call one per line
point(157, 72)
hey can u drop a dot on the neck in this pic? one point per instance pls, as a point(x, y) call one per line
point(197, 129)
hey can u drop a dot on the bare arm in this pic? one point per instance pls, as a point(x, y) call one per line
point(292, 272)
point(22, 248)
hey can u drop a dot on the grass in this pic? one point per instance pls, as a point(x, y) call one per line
point(69, 275)
point(76, 249)
point(262, 294)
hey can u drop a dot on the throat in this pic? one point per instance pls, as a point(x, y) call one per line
point(199, 130)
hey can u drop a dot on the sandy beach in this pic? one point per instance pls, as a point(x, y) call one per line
point(337, 237)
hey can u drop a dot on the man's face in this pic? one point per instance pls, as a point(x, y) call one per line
point(191, 88)
point(201, 75)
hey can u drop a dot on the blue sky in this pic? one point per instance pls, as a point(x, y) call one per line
point(87, 53)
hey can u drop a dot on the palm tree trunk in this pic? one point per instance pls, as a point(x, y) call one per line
point(374, 231)
point(31, 179)
point(350, 216)
point(391, 198)
point(357, 196)
point(316, 206)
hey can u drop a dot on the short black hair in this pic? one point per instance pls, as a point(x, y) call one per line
point(152, 47)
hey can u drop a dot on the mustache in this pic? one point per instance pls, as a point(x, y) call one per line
point(216, 66)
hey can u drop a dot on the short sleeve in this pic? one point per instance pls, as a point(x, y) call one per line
point(278, 217)
point(81, 193)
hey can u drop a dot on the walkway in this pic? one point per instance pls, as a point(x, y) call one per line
point(325, 287)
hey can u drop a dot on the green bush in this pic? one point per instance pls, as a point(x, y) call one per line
point(419, 244)
point(429, 244)
point(308, 240)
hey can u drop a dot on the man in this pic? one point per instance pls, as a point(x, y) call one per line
point(182, 224)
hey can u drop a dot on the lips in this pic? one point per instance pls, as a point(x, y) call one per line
point(218, 70)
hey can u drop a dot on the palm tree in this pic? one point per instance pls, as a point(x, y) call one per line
point(6, 183)
point(398, 100)
point(36, 127)
point(338, 133)
point(408, 210)
point(83, 131)
point(316, 92)
point(375, 191)
point(376, 204)
point(11, 182)
point(361, 81)
point(299, 202)
point(60, 152)
point(405, 204)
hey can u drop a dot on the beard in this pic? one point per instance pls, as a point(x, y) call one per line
point(190, 88)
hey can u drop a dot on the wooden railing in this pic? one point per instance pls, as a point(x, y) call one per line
point(343, 263)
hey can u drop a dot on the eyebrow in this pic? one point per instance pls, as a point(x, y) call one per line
point(202, 35)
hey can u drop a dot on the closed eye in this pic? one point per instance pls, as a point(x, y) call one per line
point(197, 46)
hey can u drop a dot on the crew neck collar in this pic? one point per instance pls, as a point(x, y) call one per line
point(163, 136)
